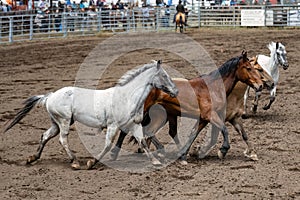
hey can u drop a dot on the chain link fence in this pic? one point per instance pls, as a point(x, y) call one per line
point(54, 25)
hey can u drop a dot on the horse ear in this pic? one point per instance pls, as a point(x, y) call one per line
point(159, 63)
point(255, 59)
point(244, 54)
point(277, 45)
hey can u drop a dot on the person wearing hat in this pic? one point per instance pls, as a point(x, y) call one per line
point(180, 9)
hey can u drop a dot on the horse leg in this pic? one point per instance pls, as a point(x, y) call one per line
point(225, 146)
point(255, 102)
point(173, 130)
point(195, 131)
point(137, 131)
point(211, 139)
point(153, 121)
point(110, 135)
point(249, 152)
point(50, 133)
point(159, 146)
point(246, 95)
point(272, 99)
point(218, 122)
point(116, 150)
point(64, 126)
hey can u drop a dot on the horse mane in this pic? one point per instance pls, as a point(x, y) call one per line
point(131, 74)
point(272, 47)
point(227, 67)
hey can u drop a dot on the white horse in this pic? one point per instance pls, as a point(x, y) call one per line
point(116, 108)
point(271, 66)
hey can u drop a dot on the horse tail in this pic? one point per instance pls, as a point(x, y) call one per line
point(29, 104)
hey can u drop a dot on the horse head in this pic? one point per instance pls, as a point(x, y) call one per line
point(247, 73)
point(265, 77)
point(163, 81)
point(281, 55)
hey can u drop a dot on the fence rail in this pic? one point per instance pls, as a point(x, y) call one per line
point(38, 25)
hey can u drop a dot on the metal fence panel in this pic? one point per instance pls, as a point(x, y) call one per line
point(38, 25)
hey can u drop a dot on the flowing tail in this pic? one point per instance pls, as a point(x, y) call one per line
point(29, 104)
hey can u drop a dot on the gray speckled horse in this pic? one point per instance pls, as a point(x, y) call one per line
point(116, 108)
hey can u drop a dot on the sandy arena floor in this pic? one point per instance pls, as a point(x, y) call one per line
point(38, 67)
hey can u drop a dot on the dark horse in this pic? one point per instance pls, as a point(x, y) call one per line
point(209, 103)
point(234, 110)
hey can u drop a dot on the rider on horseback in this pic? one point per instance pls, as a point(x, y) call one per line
point(180, 9)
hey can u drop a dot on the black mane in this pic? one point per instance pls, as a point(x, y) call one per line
point(224, 69)
point(227, 67)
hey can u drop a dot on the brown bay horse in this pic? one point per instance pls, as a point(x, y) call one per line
point(210, 92)
point(234, 111)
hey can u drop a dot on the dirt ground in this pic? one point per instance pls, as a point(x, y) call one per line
point(38, 67)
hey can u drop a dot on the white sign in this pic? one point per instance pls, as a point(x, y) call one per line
point(252, 17)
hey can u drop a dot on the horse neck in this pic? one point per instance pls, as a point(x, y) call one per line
point(273, 63)
point(230, 81)
point(270, 65)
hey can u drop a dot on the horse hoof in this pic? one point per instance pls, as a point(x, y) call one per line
point(113, 156)
point(254, 109)
point(251, 156)
point(90, 164)
point(183, 162)
point(245, 116)
point(75, 165)
point(221, 155)
point(201, 155)
point(140, 150)
point(156, 162)
point(161, 155)
point(266, 107)
point(31, 159)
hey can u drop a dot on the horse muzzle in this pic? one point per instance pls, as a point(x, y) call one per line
point(285, 66)
point(258, 87)
point(174, 94)
point(269, 85)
